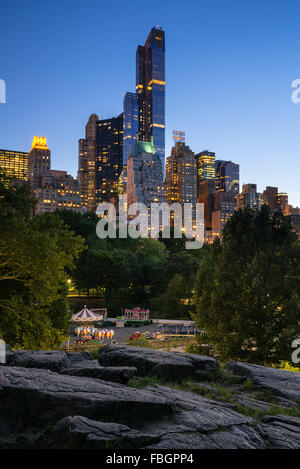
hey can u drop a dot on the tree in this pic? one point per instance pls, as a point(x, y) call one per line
point(248, 289)
point(177, 301)
point(35, 253)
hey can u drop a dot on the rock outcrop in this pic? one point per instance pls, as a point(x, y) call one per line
point(49, 360)
point(59, 400)
point(171, 366)
point(282, 383)
point(116, 374)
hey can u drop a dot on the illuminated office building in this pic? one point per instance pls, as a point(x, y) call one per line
point(206, 166)
point(150, 89)
point(181, 175)
point(227, 176)
point(86, 164)
point(14, 165)
point(108, 158)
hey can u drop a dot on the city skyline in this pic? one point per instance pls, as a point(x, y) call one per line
point(262, 138)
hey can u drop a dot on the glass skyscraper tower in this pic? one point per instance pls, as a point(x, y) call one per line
point(130, 124)
point(150, 88)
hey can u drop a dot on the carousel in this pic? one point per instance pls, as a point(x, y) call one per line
point(86, 332)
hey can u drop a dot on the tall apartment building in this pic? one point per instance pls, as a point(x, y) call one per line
point(150, 89)
point(53, 189)
point(130, 128)
point(86, 164)
point(109, 158)
point(227, 176)
point(39, 162)
point(58, 191)
point(13, 165)
point(181, 175)
point(144, 175)
point(249, 197)
point(223, 209)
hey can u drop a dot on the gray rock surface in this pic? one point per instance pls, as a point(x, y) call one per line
point(281, 431)
point(49, 360)
point(168, 365)
point(72, 407)
point(283, 383)
point(80, 432)
point(117, 374)
point(40, 397)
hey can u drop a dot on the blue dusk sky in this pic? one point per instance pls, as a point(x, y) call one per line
point(229, 70)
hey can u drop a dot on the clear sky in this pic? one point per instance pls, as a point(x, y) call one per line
point(229, 69)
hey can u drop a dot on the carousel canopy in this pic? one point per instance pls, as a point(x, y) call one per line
point(85, 315)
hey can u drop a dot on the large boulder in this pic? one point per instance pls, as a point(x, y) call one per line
point(36, 398)
point(282, 383)
point(55, 360)
point(167, 365)
point(117, 374)
point(281, 431)
point(80, 432)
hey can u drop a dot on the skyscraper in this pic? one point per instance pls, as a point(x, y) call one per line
point(150, 88)
point(144, 178)
point(14, 165)
point(181, 175)
point(223, 209)
point(108, 158)
point(130, 124)
point(86, 164)
point(206, 166)
point(130, 128)
point(249, 197)
point(227, 176)
point(39, 162)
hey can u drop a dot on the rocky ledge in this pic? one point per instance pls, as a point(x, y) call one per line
point(134, 397)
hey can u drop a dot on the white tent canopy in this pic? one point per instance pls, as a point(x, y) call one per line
point(86, 315)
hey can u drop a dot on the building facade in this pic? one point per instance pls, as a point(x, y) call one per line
point(130, 127)
point(109, 158)
point(181, 175)
point(249, 197)
point(13, 166)
point(206, 166)
point(150, 89)
point(86, 164)
point(227, 176)
point(144, 175)
point(223, 209)
point(39, 163)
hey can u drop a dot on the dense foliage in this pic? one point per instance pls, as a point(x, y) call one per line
point(134, 272)
point(248, 289)
point(34, 255)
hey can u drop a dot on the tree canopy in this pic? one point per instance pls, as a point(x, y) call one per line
point(35, 253)
point(248, 289)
